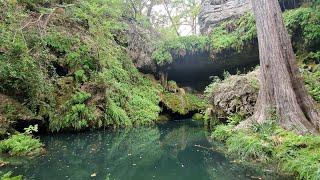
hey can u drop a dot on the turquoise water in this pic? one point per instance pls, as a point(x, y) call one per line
point(177, 150)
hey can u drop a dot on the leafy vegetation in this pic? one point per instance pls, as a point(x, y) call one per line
point(234, 34)
point(179, 46)
point(312, 81)
point(8, 176)
point(268, 143)
point(77, 114)
point(48, 55)
point(22, 144)
point(303, 26)
point(222, 132)
point(237, 34)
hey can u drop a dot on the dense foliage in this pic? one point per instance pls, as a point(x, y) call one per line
point(312, 81)
point(169, 48)
point(50, 56)
point(22, 144)
point(268, 143)
point(234, 34)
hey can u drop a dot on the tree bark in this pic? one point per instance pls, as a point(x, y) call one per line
point(281, 85)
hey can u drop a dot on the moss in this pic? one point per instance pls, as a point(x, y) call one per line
point(163, 118)
point(13, 110)
point(172, 86)
point(198, 116)
point(182, 103)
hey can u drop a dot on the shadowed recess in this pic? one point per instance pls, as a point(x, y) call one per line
point(195, 71)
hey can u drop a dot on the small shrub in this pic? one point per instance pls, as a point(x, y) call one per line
point(22, 144)
point(222, 132)
point(236, 118)
point(76, 114)
point(312, 81)
point(116, 116)
point(80, 76)
point(8, 176)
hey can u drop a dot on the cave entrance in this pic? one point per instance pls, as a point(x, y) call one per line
point(194, 71)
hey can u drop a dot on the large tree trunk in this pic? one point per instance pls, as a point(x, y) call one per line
point(282, 87)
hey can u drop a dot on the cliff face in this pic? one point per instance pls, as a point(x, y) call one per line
point(215, 11)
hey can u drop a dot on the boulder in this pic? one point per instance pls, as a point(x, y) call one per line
point(235, 94)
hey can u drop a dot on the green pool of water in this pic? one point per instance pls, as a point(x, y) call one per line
point(172, 151)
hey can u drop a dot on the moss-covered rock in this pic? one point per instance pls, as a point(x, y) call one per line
point(182, 103)
point(198, 116)
point(237, 93)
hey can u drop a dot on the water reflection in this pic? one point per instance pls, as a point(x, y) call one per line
point(168, 151)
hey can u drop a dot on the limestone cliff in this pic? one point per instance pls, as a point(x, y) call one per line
point(215, 11)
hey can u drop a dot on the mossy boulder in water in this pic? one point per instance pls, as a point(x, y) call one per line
point(182, 103)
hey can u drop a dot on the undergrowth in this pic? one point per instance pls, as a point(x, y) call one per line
point(9, 176)
point(22, 144)
point(268, 143)
point(48, 54)
point(312, 81)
